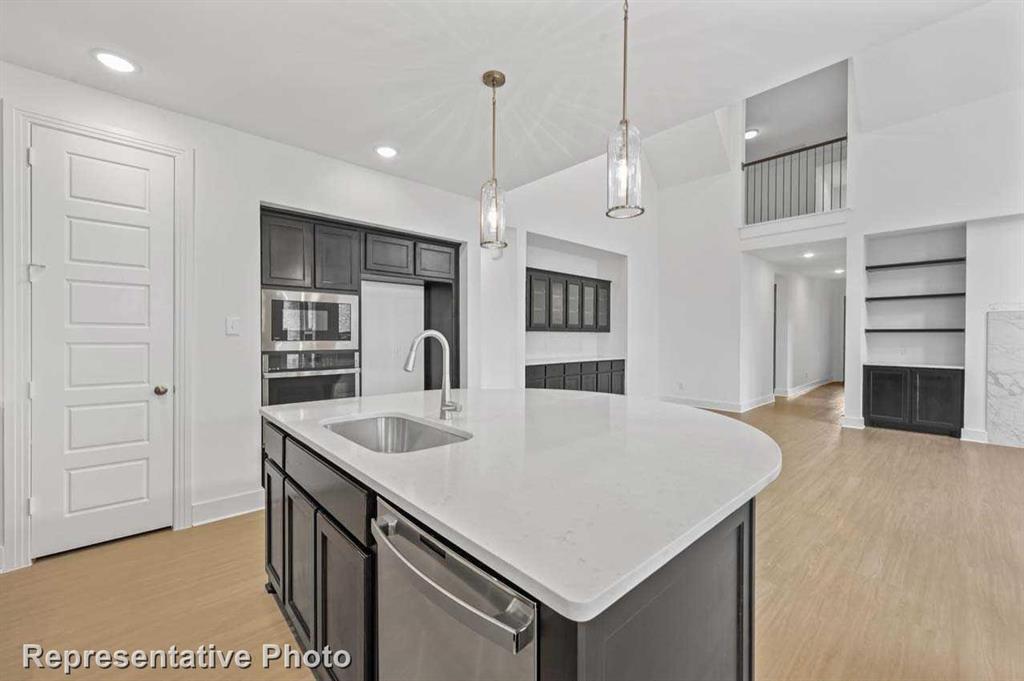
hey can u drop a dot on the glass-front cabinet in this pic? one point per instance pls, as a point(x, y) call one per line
point(557, 301)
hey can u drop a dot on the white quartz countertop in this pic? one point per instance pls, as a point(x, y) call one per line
point(573, 497)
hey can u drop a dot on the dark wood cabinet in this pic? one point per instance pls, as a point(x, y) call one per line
point(389, 254)
point(573, 308)
point(337, 258)
point(619, 382)
point(556, 306)
point(537, 302)
point(589, 306)
point(273, 491)
point(435, 261)
point(344, 601)
point(606, 376)
point(286, 251)
point(299, 562)
point(604, 306)
point(914, 398)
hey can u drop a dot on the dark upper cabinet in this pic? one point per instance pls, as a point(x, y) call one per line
point(537, 302)
point(914, 398)
point(344, 601)
point(937, 400)
point(435, 261)
point(299, 564)
point(337, 258)
point(389, 254)
point(573, 307)
point(589, 306)
point(604, 306)
point(287, 251)
point(273, 490)
point(556, 306)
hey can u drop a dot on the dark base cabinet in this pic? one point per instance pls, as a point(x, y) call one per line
point(924, 399)
point(606, 376)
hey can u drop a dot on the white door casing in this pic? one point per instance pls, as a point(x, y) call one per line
point(102, 227)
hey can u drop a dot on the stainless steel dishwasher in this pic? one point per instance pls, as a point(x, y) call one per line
point(441, 618)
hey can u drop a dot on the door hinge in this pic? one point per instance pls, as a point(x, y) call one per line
point(35, 270)
point(31, 390)
point(31, 504)
point(30, 156)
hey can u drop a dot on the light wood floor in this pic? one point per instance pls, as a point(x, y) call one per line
point(880, 555)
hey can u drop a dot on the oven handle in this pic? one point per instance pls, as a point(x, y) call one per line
point(315, 372)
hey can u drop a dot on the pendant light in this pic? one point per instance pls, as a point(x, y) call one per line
point(624, 151)
point(492, 200)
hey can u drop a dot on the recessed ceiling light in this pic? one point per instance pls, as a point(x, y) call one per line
point(808, 254)
point(839, 271)
point(751, 134)
point(114, 62)
point(387, 152)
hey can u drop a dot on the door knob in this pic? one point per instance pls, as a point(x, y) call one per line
point(160, 390)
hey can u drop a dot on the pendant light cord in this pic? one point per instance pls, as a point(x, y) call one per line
point(625, 51)
point(494, 133)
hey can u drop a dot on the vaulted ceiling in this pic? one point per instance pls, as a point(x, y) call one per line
point(340, 78)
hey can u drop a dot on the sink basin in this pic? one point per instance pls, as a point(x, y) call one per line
point(394, 433)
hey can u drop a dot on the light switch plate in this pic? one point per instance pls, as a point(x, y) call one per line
point(232, 326)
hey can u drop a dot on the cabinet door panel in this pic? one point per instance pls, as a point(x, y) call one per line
point(337, 258)
point(573, 303)
point(299, 564)
point(554, 382)
point(619, 382)
point(287, 251)
point(273, 484)
point(556, 309)
point(886, 396)
point(588, 382)
point(389, 254)
point(435, 261)
point(589, 306)
point(572, 382)
point(937, 400)
point(604, 303)
point(604, 383)
point(537, 305)
point(343, 600)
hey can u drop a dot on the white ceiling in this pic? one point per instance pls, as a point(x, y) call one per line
point(805, 111)
point(828, 256)
point(340, 78)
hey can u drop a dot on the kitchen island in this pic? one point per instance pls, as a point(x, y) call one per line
point(619, 532)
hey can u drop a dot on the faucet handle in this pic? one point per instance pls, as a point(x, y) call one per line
point(451, 406)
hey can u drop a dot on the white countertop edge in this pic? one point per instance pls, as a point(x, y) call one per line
point(576, 611)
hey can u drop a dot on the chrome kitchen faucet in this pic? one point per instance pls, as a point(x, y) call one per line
point(448, 406)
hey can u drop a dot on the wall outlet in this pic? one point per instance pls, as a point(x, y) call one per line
point(232, 326)
point(680, 386)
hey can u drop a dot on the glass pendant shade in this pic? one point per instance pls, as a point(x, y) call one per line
point(624, 188)
point(492, 216)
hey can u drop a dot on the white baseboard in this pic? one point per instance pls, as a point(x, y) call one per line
point(717, 405)
point(227, 507)
point(856, 422)
point(757, 402)
point(974, 435)
point(3, 564)
point(801, 389)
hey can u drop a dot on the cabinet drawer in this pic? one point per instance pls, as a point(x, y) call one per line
point(603, 367)
point(346, 501)
point(435, 261)
point(273, 444)
point(554, 370)
point(618, 365)
point(572, 369)
point(535, 371)
point(588, 367)
point(389, 254)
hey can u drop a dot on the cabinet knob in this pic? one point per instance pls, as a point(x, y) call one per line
point(160, 390)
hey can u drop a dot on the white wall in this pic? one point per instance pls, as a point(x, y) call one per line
point(545, 253)
point(995, 281)
point(234, 173)
point(807, 340)
point(756, 332)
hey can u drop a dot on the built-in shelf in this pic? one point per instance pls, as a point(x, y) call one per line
point(919, 296)
point(913, 330)
point(915, 263)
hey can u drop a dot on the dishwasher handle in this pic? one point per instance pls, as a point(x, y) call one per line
point(515, 628)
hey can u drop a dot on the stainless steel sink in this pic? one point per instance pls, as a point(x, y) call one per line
point(394, 433)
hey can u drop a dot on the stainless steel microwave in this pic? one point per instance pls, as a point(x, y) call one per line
point(309, 320)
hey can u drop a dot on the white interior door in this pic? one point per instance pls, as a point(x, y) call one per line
point(102, 325)
point(392, 315)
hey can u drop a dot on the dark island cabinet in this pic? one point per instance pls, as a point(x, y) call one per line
point(299, 562)
point(287, 251)
point(273, 490)
point(337, 258)
point(344, 600)
point(389, 254)
point(924, 399)
point(605, 376)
